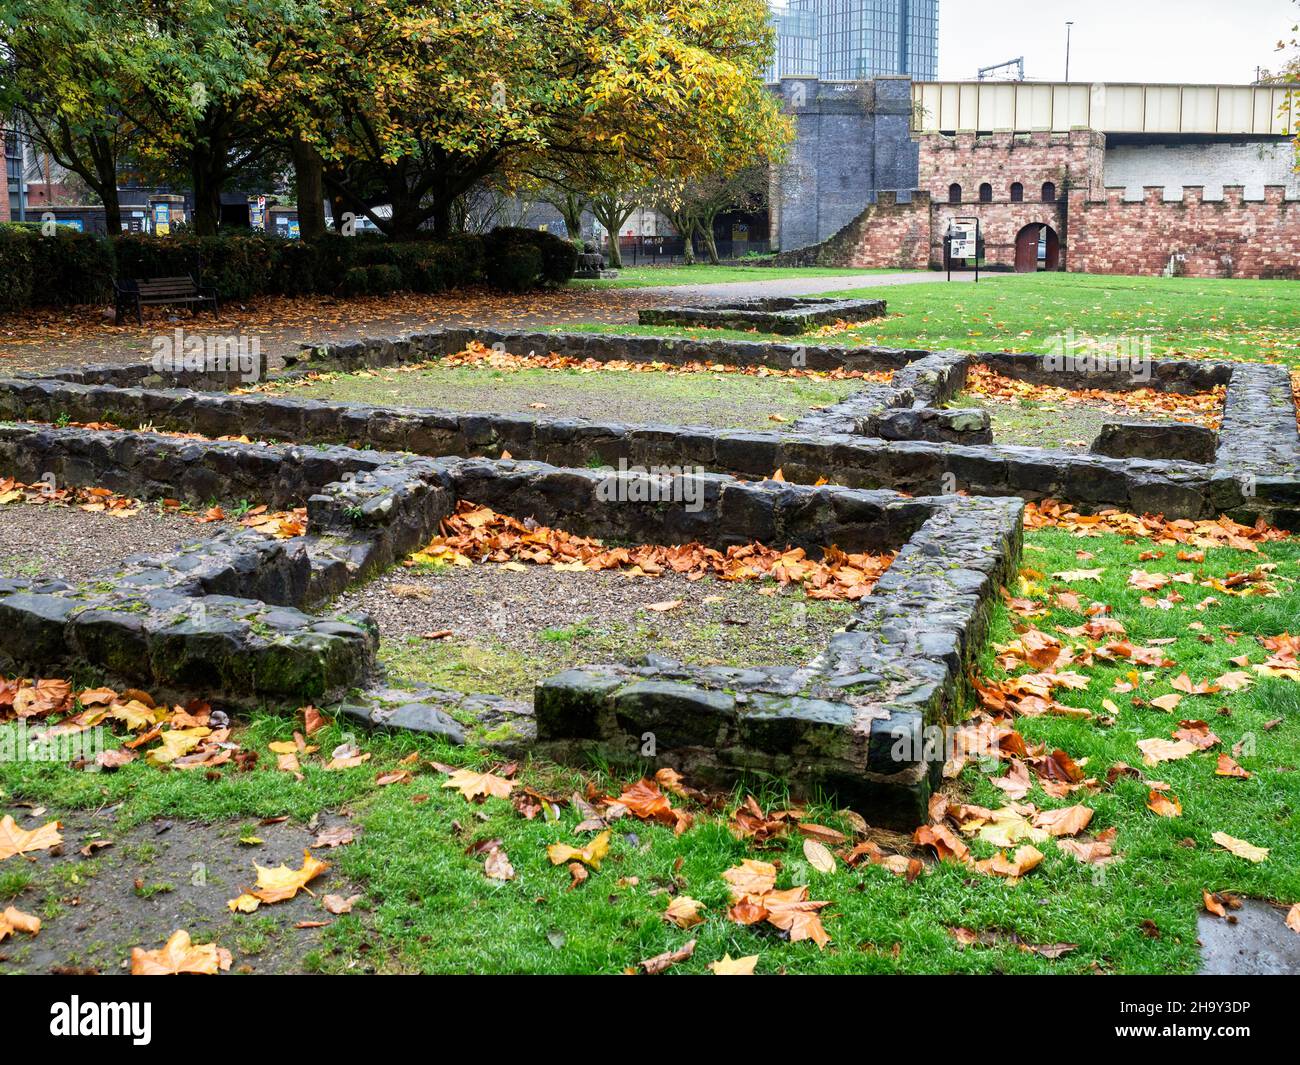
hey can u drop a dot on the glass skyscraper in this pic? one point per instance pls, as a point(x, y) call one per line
point(848, 40)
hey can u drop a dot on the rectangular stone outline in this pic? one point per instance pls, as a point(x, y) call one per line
point(865, 724)
point(1256, 472)
point(912, 466)
point(782, 316)
point(182, 621)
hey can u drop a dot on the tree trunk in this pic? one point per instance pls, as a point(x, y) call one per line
point(207, 190)
point(685, 224)
point(571, 208)
point(338, 202)
point(105, 161)
point(310, 179)
point(710, 244)
point(112, 213)
point(442, 218)
point(611, 213)
point(688, 245)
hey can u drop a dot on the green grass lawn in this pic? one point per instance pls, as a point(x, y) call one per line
point(428, 907)
point(705, 274)
point(1211, 319)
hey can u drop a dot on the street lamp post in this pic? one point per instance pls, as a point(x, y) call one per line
point(1067, 50)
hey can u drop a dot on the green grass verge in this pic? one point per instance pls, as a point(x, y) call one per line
point(1181, 317)
point(705, 274)
point(429, 907)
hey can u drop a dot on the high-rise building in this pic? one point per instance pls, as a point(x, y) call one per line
point(850, 40)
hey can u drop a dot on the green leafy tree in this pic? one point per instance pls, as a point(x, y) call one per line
point(61, 75)
point(207, 68)
point(410, 105)
point(693, 206)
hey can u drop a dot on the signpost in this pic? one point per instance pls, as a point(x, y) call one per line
point(963, 241)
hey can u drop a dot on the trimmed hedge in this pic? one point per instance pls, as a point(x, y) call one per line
point(15, 269)
point(63, 268)
point(72, 267)
point(519, 259)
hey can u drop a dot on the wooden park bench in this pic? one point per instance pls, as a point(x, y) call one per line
point(158, 291)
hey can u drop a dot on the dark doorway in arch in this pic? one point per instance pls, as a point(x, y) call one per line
point(1037, 248)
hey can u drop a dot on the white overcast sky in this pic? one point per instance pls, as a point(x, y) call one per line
point(1192, 41)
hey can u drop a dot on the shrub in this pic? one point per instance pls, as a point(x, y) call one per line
point(383, 278)
point(296, 268)
point(73, 267)
point(69, 267)
point(464, 259)
point(332, 258)
point(356, 281)
point(140, 255)
point(514, 265)
point(371, 249)
point(238, 266)
point(437, 265)
point(15, 269)
point(558, 257)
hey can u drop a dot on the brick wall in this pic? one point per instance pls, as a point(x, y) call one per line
point(1065, 160)
point(892, 233)
point(42, 194)
point(1068, 160)
point(1254, 164)
point(1098, 231)
point(4, 181)
point(1000, 224)
point(1232, 237)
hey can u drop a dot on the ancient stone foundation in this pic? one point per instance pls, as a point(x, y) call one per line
point(784, 316)
point(892, 468)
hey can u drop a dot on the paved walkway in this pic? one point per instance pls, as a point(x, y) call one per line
point(801, 286)
point(39, 340)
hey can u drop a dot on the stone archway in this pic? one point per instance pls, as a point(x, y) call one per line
point(1038, 247)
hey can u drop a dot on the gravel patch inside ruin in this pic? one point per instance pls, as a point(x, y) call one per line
point(1058, 425)
point(724, 400)
point(65, 542)
point(511, 627)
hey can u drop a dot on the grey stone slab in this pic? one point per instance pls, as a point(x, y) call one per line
point(1256, 942)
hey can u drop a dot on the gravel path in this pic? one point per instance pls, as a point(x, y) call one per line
point(43, 339)
point(46, 338)
point(510, 627)
point(72, 544)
